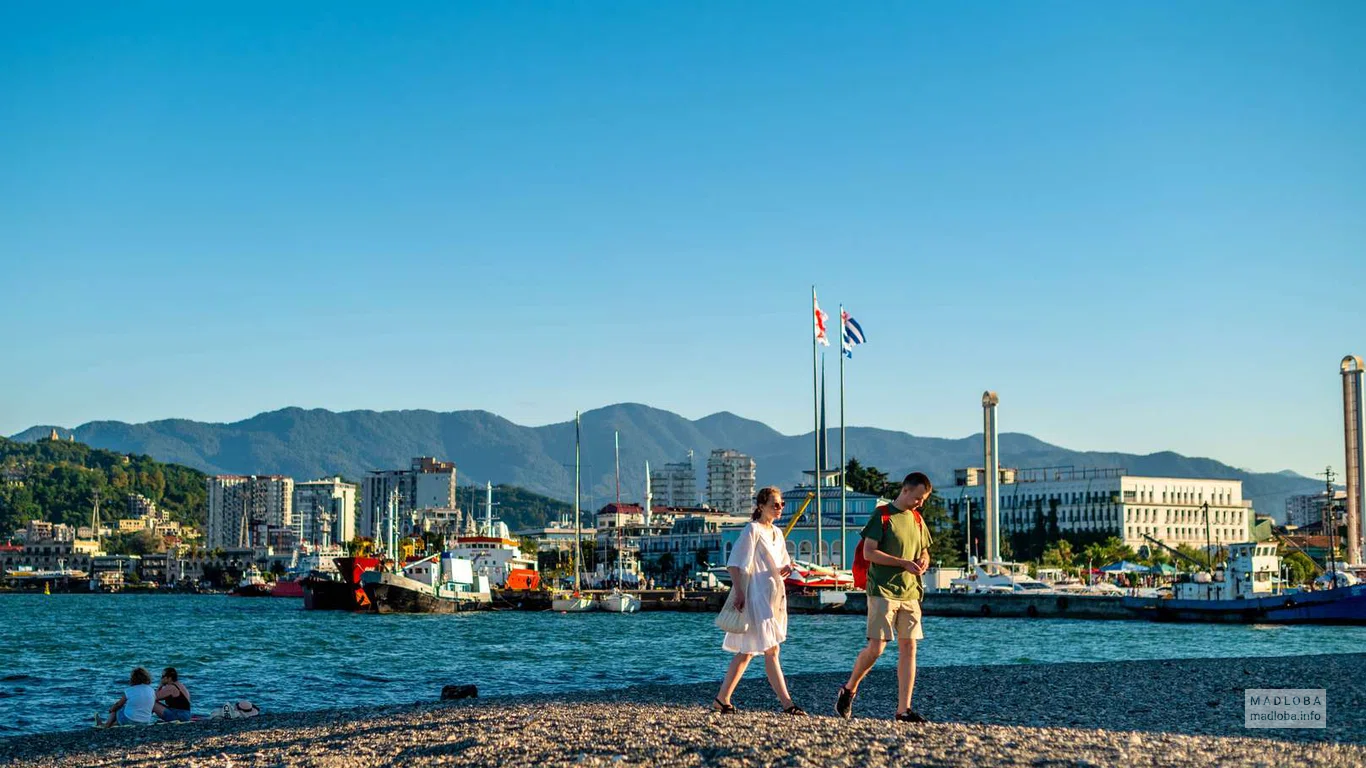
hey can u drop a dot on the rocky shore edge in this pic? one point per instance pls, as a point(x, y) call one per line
point(1186, 712)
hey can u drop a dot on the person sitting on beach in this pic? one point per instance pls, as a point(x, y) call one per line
point(897, 548)
point(173, 698)
point(758, 564)
point(135, 705)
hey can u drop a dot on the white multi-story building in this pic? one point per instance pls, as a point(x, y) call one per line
point(1307, 508)
point(426, 484)
point(243, 508)
point(222, 523)
point(675, 484)
point(730, 481)
point(325, 511)
point(1169, 509)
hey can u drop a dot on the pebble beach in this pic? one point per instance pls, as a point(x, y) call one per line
point(1158, 713)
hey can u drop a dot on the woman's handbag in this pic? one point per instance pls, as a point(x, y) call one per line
point(731, 619)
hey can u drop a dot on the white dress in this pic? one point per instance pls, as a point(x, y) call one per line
point(759, 553)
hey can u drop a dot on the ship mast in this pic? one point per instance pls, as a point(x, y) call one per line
point(488, 508)
point(616, 444)
point(578, 548)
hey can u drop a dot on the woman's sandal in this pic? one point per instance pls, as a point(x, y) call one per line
point(794, 710)
point(723, 707)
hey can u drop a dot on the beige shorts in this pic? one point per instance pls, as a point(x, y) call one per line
point(888, 619)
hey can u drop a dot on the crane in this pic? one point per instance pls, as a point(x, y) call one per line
point(1178, 553)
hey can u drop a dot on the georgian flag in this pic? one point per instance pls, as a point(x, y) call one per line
point(853, 334)
point(820, 321)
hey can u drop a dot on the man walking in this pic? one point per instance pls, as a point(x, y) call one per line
point(896, 545)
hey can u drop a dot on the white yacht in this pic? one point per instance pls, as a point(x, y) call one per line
point(617, 601)
point(1001, 578)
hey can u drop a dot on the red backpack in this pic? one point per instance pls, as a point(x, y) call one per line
point(860, 562)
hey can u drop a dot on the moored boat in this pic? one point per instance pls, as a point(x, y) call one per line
point(342, 592)
point(1002, 578)
point(807, 575)
point(1245, 591)
point(571, 603)
point(433, 584)
point(617, 601)
point(575, 601)
point(252, 585)
point(290, 585)
point(496, 555)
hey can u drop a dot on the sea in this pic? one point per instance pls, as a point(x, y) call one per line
point(67, 657)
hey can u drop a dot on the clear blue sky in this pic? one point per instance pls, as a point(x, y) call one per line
point(1141, 223)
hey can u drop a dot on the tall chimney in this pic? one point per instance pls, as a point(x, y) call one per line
point(993, 470)
point(1352, 369)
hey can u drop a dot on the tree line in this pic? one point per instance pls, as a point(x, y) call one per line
point(57, 481)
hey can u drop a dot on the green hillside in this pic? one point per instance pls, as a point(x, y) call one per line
point(518, 507)
point(57, 480)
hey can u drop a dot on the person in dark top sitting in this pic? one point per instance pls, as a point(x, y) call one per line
point(173, 698)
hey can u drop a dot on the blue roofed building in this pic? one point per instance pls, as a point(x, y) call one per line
point(801, 542)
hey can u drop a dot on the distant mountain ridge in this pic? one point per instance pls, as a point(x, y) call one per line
point(307, 444)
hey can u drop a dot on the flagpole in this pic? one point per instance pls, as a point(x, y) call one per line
point(825, 456)
point(844, 501)
point(816, 413)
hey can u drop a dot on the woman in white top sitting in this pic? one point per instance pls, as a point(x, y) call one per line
point(135, 706)
point(757, 565)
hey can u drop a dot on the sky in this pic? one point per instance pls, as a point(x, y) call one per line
point(1140, 223)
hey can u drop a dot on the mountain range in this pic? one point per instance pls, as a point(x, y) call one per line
point(312, 443)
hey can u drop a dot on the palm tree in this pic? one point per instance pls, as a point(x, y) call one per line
point(1059, 553)
point(1095, 554)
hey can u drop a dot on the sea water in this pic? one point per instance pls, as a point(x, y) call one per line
point(66, 656)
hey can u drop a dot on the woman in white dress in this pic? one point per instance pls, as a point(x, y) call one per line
point(758, 564)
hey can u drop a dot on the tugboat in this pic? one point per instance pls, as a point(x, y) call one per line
point(1246, 592)
point(252, 585)
point(441, 583)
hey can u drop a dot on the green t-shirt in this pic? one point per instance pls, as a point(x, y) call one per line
point(905, 536)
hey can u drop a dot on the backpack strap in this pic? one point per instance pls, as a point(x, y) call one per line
point(886, 519)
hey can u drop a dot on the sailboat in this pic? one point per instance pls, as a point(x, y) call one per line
point(576, 601)
point(617, 601)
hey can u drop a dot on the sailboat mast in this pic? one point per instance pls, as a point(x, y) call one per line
point(578, 544)
point(616, 447)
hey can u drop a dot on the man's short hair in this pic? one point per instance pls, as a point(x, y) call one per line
point(917, 478)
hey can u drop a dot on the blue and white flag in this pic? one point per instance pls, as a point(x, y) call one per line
point(853, 334)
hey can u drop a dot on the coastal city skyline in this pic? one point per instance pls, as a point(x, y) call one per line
point(677, 384)
point(1145, 239)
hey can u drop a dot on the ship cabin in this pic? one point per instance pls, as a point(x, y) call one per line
point(1252, 570)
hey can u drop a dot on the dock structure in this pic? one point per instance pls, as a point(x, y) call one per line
point(958, 604)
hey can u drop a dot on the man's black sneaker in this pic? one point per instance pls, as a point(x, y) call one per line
point(844, 705)
point(910, 716)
